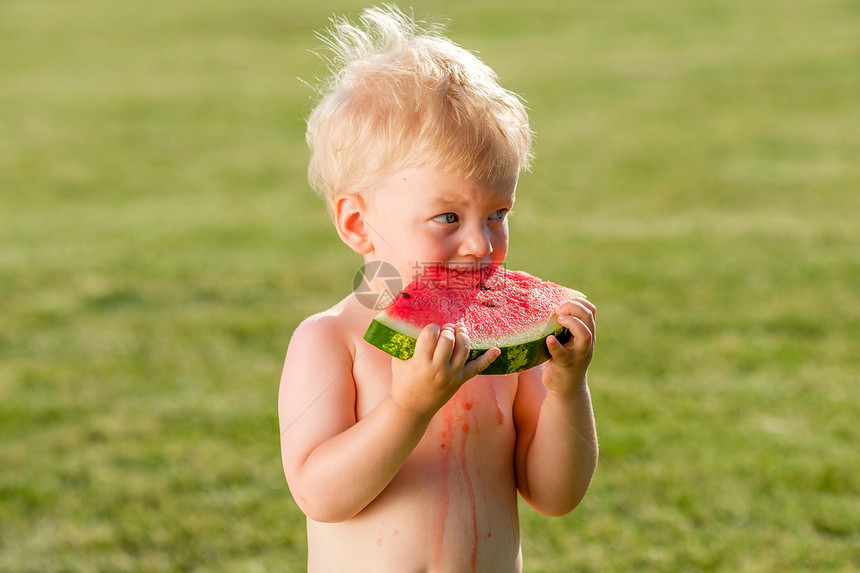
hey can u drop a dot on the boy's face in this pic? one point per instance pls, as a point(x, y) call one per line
point(422, 216)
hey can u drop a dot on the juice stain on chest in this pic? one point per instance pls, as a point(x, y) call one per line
point(457, 454)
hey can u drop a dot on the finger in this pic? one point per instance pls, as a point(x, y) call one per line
point(587, 304)
point(556, 348)
point(479, 364)
point(444, 344)
point(461, 347)
point(578, 307)
point(569, 305)
point(577, 310)
point(581, 334)
point(426, 342)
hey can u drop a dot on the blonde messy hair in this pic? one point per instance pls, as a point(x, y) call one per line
point(403, 95)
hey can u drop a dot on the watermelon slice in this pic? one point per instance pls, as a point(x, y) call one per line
point(511, 310)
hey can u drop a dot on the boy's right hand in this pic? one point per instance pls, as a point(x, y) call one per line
point(425, 382)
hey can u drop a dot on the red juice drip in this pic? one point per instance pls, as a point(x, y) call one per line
point(464, 470)
point(457, 420)
point(446, 433)
point(499, 412)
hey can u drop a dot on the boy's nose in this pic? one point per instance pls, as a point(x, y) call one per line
point(476, 243)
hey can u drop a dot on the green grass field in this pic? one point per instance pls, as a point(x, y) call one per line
point(697, 176)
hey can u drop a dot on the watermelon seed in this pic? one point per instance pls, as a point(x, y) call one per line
point(485, 287)
point(406, 295)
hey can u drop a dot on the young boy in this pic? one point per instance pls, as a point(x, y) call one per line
point(407, 466)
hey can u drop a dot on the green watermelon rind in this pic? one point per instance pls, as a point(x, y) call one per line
point(514, 358)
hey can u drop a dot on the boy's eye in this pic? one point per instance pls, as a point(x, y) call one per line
point(448, 218)
point(499, 215)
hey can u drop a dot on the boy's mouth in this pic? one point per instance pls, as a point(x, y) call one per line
point(461, 271)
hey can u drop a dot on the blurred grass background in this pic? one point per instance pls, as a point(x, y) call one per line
point(696, 175)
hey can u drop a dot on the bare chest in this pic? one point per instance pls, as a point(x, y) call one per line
point(455, 497)
point(482, 402)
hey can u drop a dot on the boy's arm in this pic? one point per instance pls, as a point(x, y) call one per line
point(335, 465)
point(556, 452)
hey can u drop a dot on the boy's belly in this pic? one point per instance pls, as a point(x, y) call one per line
point(452, 507)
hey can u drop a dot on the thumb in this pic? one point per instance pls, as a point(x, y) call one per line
point(479, 364)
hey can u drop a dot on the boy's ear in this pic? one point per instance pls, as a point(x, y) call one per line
point(349, 221)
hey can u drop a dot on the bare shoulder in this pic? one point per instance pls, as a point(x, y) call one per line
point(317, 391)
point(336, 329)
point(316, 330)
point(319, 343)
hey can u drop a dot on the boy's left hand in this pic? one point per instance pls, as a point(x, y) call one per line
point(565, 372)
